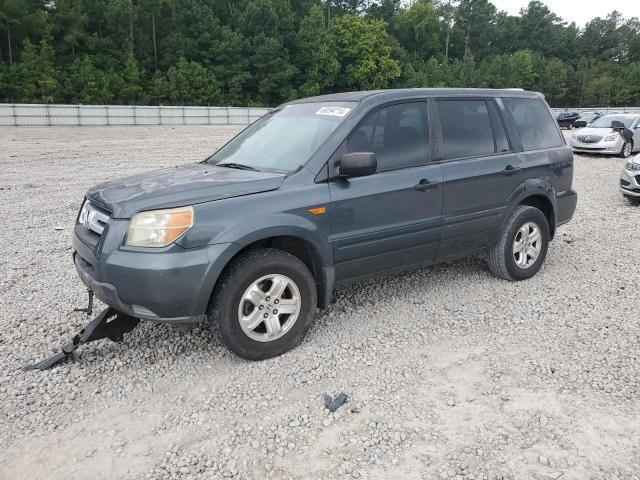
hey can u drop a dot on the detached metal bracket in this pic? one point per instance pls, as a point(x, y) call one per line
point(109, 323)
point(89, 308)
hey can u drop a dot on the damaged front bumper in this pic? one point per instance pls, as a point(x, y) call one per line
point(170, 284)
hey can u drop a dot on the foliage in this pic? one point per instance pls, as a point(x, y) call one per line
point(364, 50)
point(264, 52)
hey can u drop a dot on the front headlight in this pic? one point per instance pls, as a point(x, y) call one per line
point(611, 138)
point(631, 165)
point(159, 228)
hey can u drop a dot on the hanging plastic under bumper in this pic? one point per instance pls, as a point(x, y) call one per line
point(109, 323)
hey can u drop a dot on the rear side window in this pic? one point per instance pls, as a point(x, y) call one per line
point(534, 123)
point(466, 128)
point(397, 134)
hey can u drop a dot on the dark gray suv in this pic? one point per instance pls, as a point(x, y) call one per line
point(322, 192)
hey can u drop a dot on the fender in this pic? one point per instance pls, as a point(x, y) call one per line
point(254, 229)
point(531, 187)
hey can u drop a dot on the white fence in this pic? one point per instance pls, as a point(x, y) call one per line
point(81, 115)
point(598, 109)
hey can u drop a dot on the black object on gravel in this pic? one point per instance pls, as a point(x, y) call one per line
point(332, 404)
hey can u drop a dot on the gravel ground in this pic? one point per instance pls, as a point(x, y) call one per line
point(451, 373)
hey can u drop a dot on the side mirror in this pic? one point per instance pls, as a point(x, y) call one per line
point(357, 164)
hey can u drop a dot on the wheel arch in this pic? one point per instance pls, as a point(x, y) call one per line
point(542, 203)
point(301, 245)
point(538, 193)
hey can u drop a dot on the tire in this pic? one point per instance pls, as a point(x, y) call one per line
point(501, 259)
point(627, 150)
point(635, 201)
point(263, 270)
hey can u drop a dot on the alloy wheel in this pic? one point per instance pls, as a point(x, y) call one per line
point(527, 245)
point(269, 308)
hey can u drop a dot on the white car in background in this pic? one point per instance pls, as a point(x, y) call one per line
point(630, 180)
point(600, 138)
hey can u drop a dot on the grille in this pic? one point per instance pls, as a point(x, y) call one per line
point(589, 138)
point(624, 183)
point(638, 179)
point(93, 218)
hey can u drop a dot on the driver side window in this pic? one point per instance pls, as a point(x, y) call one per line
point(397, 134)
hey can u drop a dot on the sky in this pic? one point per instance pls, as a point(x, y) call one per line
point(579, 11)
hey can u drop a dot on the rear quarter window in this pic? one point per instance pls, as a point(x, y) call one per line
point(534, 123)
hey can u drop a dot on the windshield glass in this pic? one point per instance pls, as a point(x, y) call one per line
point(605, 122)
point(285, 139)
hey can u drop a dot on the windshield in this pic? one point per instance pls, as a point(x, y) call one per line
point(605, 122)
point(285, 139)
point(588, 117)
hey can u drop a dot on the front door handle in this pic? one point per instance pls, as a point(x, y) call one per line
point(425, 185)
point(510, 170)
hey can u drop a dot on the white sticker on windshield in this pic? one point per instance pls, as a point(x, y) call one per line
point(333, 111)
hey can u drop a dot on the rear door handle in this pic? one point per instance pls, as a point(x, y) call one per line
point(424, 185)
point(510, 170)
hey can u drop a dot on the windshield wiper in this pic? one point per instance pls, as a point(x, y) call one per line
point(239, 166)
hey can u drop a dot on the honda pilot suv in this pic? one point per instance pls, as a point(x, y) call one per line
point(322, 192)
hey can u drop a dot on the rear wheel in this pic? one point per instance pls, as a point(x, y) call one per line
point(627, 149)
point(263, 304)
point(522, 247)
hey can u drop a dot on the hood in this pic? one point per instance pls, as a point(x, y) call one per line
point(602, 132)
point(179, 186)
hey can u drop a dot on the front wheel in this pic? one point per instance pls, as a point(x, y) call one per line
point(635, 201)
point(263, 304)
point(522, 247)
point(627, 149)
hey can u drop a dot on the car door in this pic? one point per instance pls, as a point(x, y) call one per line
point(389, 220)
point(480, 171)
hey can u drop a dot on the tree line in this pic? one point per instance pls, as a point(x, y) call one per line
point(264, 52)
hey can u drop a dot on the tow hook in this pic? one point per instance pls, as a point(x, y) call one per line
point(109, 323)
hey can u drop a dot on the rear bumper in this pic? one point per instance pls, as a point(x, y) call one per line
point(173, 285)
point(566, 206)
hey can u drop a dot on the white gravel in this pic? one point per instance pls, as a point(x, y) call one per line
point(451, 373)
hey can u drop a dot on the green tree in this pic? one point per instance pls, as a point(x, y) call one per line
point(539, 29)
point(36, 77)
point(268, 24)
point(70, 21)
point(21, 20)
point(315, 56)
point(417, 29)
point(554, 77)
point(384, 10)
point(364, 51)
point(475, 28)
point(263, 52)
point(509, 71)
point(132, 91)
point(189, 83)
point(601, 38)
point(159, 88)
point(86, 84)
point(230, 65)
